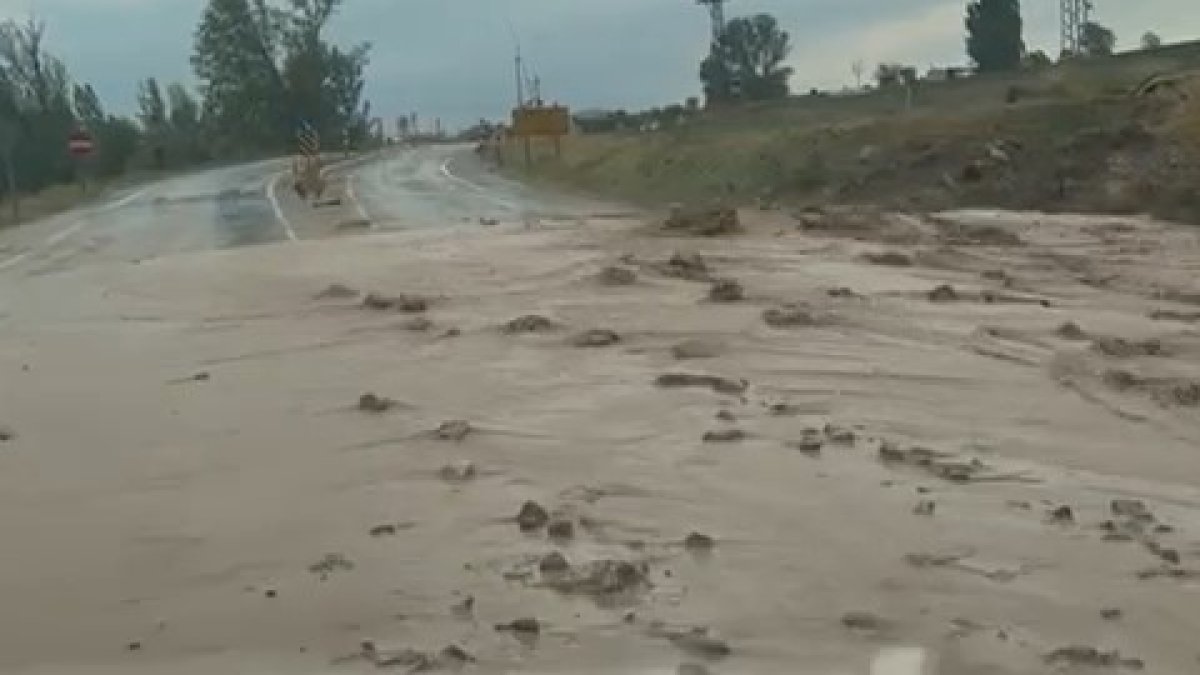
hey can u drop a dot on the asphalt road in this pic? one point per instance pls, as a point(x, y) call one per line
point(430, 186)
point(439, 185)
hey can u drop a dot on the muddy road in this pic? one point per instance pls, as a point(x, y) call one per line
point(602, 447)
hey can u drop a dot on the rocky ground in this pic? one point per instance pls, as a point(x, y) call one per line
point(775, 446)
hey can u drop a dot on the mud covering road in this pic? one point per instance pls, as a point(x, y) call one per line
point(561, 450)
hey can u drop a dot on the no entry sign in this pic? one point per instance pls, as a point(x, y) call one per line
point(81, 143)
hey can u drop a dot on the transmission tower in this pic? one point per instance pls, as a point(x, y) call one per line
point(717, 9)
point(1075, 15)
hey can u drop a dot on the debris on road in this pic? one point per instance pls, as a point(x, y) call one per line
point(726, 290)
point(719, 385)
point(532, 516)
point(410, 304)
point(686, 266)
point(453, 430)
point(332, 562)
point(617, 276)
point(707, 222)
point(458, 472)
point(1078, 655)
point(697, 348)
point(789, 316)
point(530, 323)
point(337, 292)
point(374, 403)
point(597, 337)
point(699, 543)
point(724, 436)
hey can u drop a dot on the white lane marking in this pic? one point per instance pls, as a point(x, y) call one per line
point(271, 187)
point(13, 260)
point(63, 234)
point(445, 170)
point(358, 205)
point(57, 237)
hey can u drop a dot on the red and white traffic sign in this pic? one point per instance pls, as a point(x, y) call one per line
point(81, 143)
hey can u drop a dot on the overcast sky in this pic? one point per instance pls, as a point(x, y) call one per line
point(453, 58)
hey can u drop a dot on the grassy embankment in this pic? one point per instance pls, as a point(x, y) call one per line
point(1075, 139)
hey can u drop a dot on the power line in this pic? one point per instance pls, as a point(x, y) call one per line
point(1074, 15)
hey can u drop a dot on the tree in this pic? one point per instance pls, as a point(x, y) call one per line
point(1036, 60)
point(1096, 40)
point(892, 74)
point(265, 68)
point(858, 68)
point(1151, 40)
point(994, 29)
point(747, 61)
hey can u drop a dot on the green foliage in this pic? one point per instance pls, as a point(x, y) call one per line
point(1096, 40)
point(263, 68)
point(994, 34)
point(746, 62)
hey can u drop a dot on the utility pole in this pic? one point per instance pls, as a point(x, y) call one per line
point(716, 8)
point(1073, 16)
point(520, 79)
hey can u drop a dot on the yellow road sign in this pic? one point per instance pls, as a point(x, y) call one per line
point(546, 121)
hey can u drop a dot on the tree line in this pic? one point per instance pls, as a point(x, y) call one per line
point(746, 62)
point(262, 67)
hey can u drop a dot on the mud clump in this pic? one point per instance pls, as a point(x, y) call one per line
point(1121, 380)
point(385, 530)
point(865, 621)
point(403, 303)
point(601, 578)
point(708, 222)
point(925, 507)
point(1124, 349)
point(453, 430)
point(789, 316)
point(726, 290)
point(553, 563)
point(839, 435)
point(561, 529)
point(617, 276)
point(811, 442)
point(686, 266)
point(699, 543)
point(889, 259)
point(1186, 394)
point(337, 292)
point(530, 323)
point(598, 337)
point(1134, 509)
point(944, 293)
point(697, 349)
point(724, 436)
point(371, 402)
point(458, 472)
point(1078, 655)
point(418, 324)
point(532, 516)
point(1071, 331)
point(1062, 514)
point(332, 562)
point(7, 434)
point(697, 642)
point(526, 625)
point(719, 385)
point(1172, 315)
point(965, 234)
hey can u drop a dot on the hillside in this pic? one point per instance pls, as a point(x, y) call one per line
point(1083, 136)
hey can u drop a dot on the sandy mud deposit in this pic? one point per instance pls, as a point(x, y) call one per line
point(779, 444)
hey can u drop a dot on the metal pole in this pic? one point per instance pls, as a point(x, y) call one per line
point(520, 81)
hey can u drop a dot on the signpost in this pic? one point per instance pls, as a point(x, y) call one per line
point(81, 145)
point(541, 122)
